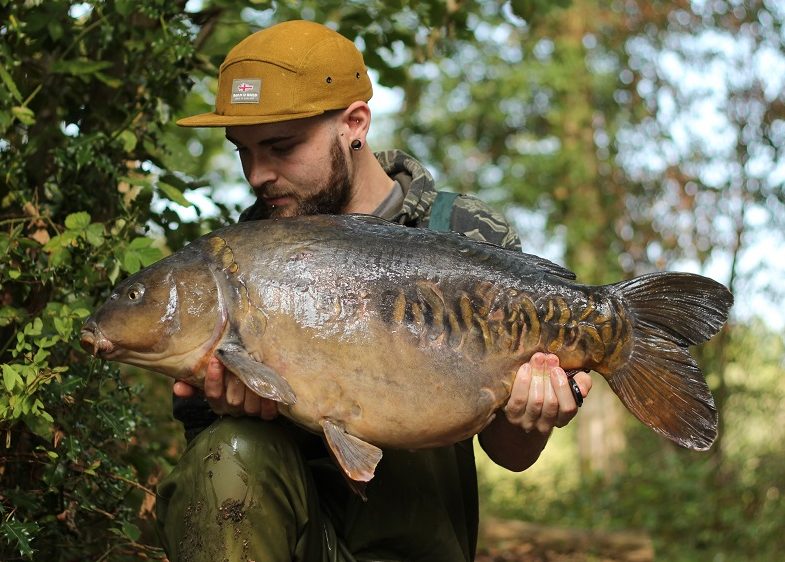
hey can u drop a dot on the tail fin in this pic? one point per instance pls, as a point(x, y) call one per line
point(659, 382)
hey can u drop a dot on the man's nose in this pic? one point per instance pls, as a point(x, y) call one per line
point(260, 172)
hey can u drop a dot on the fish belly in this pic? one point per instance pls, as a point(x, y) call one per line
point(383, 389)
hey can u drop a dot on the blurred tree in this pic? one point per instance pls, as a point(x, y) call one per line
point(713, 190)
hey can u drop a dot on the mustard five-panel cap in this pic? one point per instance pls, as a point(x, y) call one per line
point(291, 70)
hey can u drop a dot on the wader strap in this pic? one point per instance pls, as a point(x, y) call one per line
point(441, 211)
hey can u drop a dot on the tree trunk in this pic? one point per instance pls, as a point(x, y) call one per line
point(600, 430)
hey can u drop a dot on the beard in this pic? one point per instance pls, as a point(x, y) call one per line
point(330, 198)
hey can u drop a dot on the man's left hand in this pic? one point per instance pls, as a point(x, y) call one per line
point(541, 398)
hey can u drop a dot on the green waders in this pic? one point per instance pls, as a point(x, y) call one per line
point(251, 490)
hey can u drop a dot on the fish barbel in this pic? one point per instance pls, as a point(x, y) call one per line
point(379, 335)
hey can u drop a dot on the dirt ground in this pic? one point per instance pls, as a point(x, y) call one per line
point(518, 541)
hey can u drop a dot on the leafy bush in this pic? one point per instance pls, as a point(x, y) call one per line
point(85, 90)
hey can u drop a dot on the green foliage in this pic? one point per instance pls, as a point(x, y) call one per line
point(676, 497)
point(528, 116)
point(85, 90)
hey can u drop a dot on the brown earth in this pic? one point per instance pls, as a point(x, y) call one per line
point(519, 541)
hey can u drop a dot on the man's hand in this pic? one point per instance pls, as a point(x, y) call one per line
point(227, 395)
point(541, 398)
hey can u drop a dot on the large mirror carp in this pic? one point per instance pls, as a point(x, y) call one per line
point(378, 335)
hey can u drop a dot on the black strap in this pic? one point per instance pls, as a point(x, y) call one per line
point(441, 211)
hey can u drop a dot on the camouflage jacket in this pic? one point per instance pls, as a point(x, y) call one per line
point(470, 216)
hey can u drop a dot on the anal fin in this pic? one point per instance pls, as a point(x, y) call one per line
point(257, 376)
point(357, 458)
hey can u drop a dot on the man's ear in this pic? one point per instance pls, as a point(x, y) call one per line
point(356, 120)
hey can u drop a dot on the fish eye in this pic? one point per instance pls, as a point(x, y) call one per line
point(135, 292)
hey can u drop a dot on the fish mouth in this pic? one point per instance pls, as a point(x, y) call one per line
point(94, 342)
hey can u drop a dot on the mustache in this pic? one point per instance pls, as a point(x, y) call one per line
point(272, 191)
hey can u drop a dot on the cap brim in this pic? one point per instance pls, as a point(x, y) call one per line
point(215, 120)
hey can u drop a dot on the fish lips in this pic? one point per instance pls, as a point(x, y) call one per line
point(94, 342)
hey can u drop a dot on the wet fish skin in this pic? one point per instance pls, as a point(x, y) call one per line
point(386, 336)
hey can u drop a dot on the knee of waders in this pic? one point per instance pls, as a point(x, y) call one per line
point(236, 469)
point(234, 455)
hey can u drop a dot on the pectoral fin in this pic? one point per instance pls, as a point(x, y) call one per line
point(257, 376)
point(357, 458)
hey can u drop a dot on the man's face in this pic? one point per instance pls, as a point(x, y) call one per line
point(295, 167)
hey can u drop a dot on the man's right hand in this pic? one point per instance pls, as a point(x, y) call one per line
point(227, 395)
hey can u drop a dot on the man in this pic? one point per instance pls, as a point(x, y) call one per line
point(293, 99)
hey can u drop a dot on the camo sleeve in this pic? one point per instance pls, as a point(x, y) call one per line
point(477, 220)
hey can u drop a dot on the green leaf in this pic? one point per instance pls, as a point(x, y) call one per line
point(63, 325)
point(48, 341)
point(91, 469)
point(81, 313)
point(124, 7)
point(5, 242)
point(131, 262)
point(131, 531)
point(55, 30)
point(41, 355)
point(20, 534)
point(10, 376)
point(109, 80)
point(9, 314)
point(94, 234)
point(172, 179)
point(149, 255)
point(114, 272)
point(59, 257)
point(145, 182)
point(28, 373)
point(140, 253)
point(128, 138)
point(77, 221)
point(60, 242)
point(34, 328)
point(24, 406)
point(139, 243)
point(9, 83)
point(174, 194)
point(24, 114)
